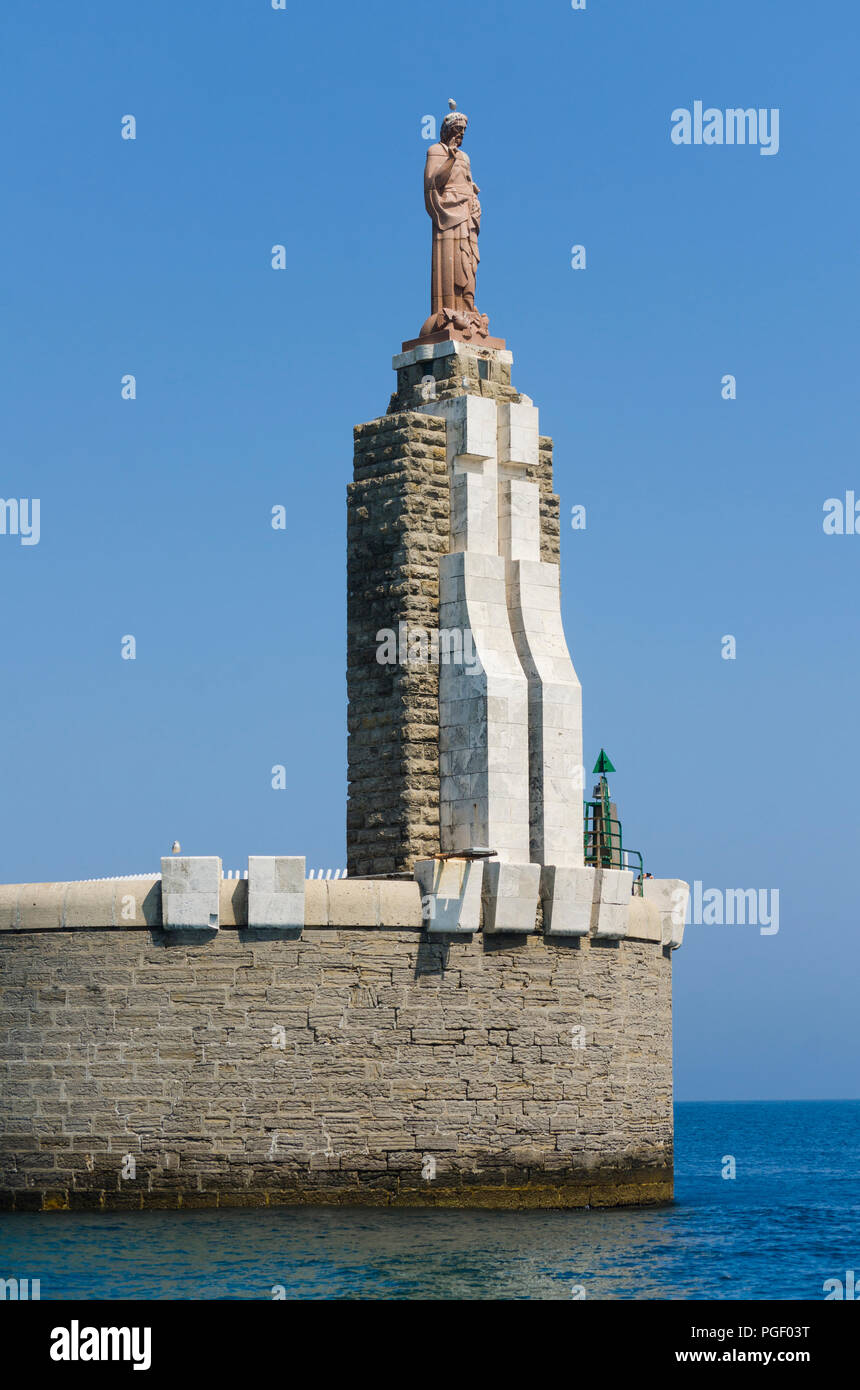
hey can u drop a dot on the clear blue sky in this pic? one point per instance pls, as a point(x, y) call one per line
point(303, 127)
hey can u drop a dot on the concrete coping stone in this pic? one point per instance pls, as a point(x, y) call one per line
point(428, 352)
point(134, 903)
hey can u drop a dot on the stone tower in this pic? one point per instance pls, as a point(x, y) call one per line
point(465, 710)
point(453, 546)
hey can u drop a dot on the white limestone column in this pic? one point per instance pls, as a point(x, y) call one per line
point(483, 704)
point(554, 692)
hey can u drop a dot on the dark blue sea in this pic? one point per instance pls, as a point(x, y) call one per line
point(785, 1224)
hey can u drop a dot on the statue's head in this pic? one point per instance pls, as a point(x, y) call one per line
point(453, 129)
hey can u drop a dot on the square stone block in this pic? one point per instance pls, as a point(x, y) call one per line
point(615, 889)
point(450, 893)
point(519, 520)
point(644, 921)
point(612, 921)
point(510, 896)
point(40, 905)
point(567, 895)
point(471, 428)
point(671, 896)
point(276, 891)
point(616, 886)
point(190, 890)
point(518, 433)
point(474, 519)
point(353, 902)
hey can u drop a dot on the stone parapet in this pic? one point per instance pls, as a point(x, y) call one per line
point(135, 904)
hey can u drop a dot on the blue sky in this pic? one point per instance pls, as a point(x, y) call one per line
point(704, 516)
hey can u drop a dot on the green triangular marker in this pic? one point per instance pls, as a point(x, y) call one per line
point(603, 765)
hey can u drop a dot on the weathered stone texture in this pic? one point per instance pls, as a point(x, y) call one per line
point(454, 375)
point(550, 539)
point(398, 524)
point(324, 1069)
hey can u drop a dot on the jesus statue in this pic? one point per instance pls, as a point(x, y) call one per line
point(451, 199)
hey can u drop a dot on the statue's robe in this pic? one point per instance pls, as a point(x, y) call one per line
point(456, 215)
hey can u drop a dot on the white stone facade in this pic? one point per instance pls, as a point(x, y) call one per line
point(511, 732)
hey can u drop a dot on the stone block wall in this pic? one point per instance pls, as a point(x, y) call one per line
point(350, 1065)
point(550, 521)
point(397, 528)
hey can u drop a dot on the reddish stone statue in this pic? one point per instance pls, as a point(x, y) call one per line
point(451, 199)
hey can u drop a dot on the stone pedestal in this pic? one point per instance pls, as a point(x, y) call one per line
point(453, 724)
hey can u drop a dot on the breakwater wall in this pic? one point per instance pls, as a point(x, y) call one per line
point(360, 1059)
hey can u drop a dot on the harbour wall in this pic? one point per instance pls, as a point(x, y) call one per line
point(360, 1060)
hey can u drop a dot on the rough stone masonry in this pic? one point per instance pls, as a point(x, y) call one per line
point(346, 1065)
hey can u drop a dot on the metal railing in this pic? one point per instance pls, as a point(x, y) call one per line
point(604, 844)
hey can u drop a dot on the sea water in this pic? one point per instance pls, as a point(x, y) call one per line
point(767, 1207)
